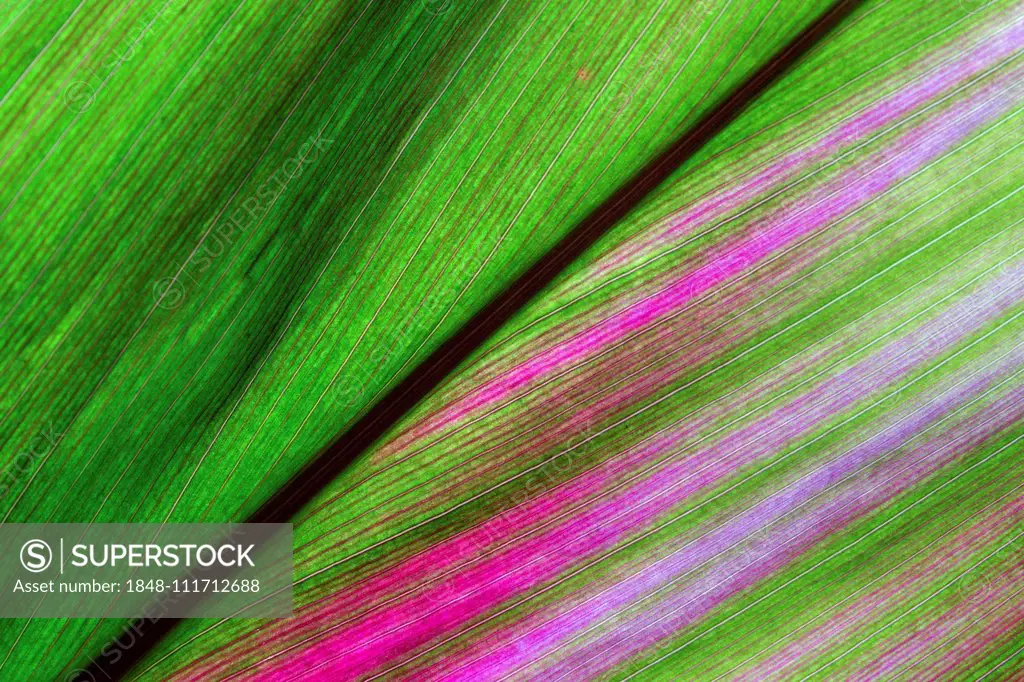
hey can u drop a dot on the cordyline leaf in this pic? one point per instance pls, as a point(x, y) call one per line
point(230, 228)
point(769, 426)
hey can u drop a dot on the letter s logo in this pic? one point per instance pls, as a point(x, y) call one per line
point(36, 556)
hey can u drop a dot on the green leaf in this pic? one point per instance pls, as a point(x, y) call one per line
point(229, 229)
point(769, 423)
